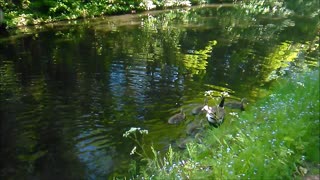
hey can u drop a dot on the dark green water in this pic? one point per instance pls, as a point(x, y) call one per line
point(69, 91)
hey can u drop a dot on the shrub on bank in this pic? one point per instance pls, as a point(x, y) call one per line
point(26, 12)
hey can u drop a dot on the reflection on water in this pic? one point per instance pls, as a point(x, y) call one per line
point(69, 93)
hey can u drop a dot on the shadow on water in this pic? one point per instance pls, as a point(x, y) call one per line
point(68, 93)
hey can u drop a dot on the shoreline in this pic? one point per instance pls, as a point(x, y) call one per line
point(124, 16)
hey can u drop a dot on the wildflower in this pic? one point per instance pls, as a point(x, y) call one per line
point(224, 93)
point(289, 151)
point(134, 129)
point(300, 84)
point(143, 131)
point(228, 150)
point(234, 114)
point(133, 150)
point(208, 93)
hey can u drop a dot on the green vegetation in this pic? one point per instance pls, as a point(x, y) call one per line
point(277, 138)
point(280, 8)
point(26, 12)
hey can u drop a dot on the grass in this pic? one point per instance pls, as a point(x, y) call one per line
point(277, 138)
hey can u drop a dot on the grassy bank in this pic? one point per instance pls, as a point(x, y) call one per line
point(277, 138)
point(25, 12)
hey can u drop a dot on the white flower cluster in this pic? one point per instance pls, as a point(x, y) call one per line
point(225, 94)
point(133, 130)
point(208, 93)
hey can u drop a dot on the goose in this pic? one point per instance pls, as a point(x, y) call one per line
point(198, 109)
point(237, 105)
point(193, 128)
point(215, 115)
point(182, 143)
point(177, 118)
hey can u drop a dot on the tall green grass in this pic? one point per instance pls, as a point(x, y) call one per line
point(277, 138)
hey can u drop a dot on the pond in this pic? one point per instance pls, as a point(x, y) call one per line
point(70, 90)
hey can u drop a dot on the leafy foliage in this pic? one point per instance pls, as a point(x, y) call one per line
point(272, 140)
point(27, 12)
point(280, 8)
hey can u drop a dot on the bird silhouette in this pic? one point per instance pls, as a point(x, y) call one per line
point(237, 105)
